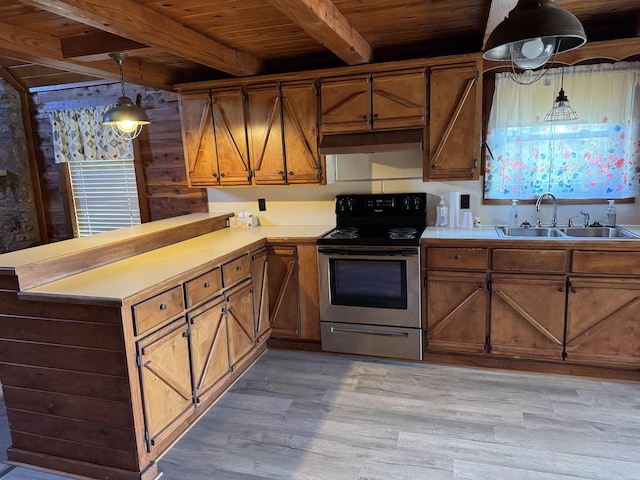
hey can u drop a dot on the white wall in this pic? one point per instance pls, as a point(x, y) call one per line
point(382, 173)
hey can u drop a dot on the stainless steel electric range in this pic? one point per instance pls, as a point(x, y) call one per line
point(369, 272)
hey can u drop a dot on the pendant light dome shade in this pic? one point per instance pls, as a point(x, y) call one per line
point(532, 33)
point(126, 115)
point(126, 118)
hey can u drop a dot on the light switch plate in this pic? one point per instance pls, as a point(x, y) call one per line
point(464, 201)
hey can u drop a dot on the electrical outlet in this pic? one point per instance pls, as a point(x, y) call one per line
point(464, 201)
point(262, 205)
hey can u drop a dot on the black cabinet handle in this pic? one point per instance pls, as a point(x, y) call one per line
point(163, 306)
point(207, 284)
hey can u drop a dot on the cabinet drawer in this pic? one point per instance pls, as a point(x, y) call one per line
point(467, 258)
point(613, 263)
point(520, 260)
point(236, 270)
point(202, 287)
point(156, 310)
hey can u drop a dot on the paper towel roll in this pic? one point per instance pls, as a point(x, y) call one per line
point(454, 209)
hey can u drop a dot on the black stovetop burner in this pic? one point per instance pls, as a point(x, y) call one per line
point(378, 219)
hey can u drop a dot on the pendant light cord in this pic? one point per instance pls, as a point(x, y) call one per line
point(121, 76)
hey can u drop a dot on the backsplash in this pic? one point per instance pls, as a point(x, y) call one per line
point(385, 173)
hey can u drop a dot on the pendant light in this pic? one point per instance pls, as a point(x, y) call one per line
point(531, 34)
point(561, 110)
point(126, 118)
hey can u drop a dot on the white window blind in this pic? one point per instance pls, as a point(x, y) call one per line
point(105, 195)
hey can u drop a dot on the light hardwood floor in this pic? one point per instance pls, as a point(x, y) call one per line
point(303, 416)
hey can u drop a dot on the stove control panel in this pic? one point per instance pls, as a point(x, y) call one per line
point(384, 204)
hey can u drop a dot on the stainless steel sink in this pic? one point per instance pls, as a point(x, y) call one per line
point(565, 232)
point(598, 232)
point(528, 232)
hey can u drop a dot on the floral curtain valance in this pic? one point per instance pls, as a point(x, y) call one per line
point(596, 156)
point(79, 135)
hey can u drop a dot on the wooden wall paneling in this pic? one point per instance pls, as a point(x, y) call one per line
point(73, 450)
point(65, 405)
point(159, 153)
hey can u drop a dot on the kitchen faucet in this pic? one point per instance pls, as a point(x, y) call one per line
point(554, 220)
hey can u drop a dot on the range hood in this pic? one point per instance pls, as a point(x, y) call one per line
point(372, 142)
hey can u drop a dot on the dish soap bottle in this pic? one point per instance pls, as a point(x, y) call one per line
point(610, 217)
point(513, 213)
point(441, 213)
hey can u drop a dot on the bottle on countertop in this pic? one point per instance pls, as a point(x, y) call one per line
point(441, 214)
point(610, 217)
point(513, 213)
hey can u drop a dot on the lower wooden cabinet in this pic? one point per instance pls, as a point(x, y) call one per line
point(603, 321)
point(456, 311)
point(185, 363)
point(294, 304)
point(527, 315)
point(260, 277)
point(165, 379)
point(555, 304)
point(284, 311)
point(239, 313)
point(209, 347)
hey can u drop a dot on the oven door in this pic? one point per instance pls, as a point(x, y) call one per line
point(370, 285)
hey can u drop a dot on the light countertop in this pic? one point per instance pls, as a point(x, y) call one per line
point(27, 256)
point(117, 281)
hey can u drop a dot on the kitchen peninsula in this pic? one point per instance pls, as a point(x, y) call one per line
point(112, 345)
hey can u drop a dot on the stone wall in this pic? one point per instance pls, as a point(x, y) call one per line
point(18, 217)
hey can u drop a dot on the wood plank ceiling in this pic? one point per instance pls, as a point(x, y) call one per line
point(53, 42)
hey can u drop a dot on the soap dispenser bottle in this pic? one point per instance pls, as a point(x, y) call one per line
point(610, 217)
point(441, 214)
point(513, 213)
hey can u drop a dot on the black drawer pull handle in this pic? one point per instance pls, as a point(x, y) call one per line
point(163, 306)
point(456, 257)
point(239, 267)
point(207, 284)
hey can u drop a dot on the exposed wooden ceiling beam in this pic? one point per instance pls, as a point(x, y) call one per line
point(33, 47)
point(97, 46)
point(324, 22)
point(498, 10)
point(141, 24)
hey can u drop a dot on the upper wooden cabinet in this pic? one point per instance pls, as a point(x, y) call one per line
point(378, 101)
point(282, 124)
point(455, 123)
point(214, 138)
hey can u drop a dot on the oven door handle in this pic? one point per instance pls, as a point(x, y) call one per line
point(371, 253)
point(382, 333)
